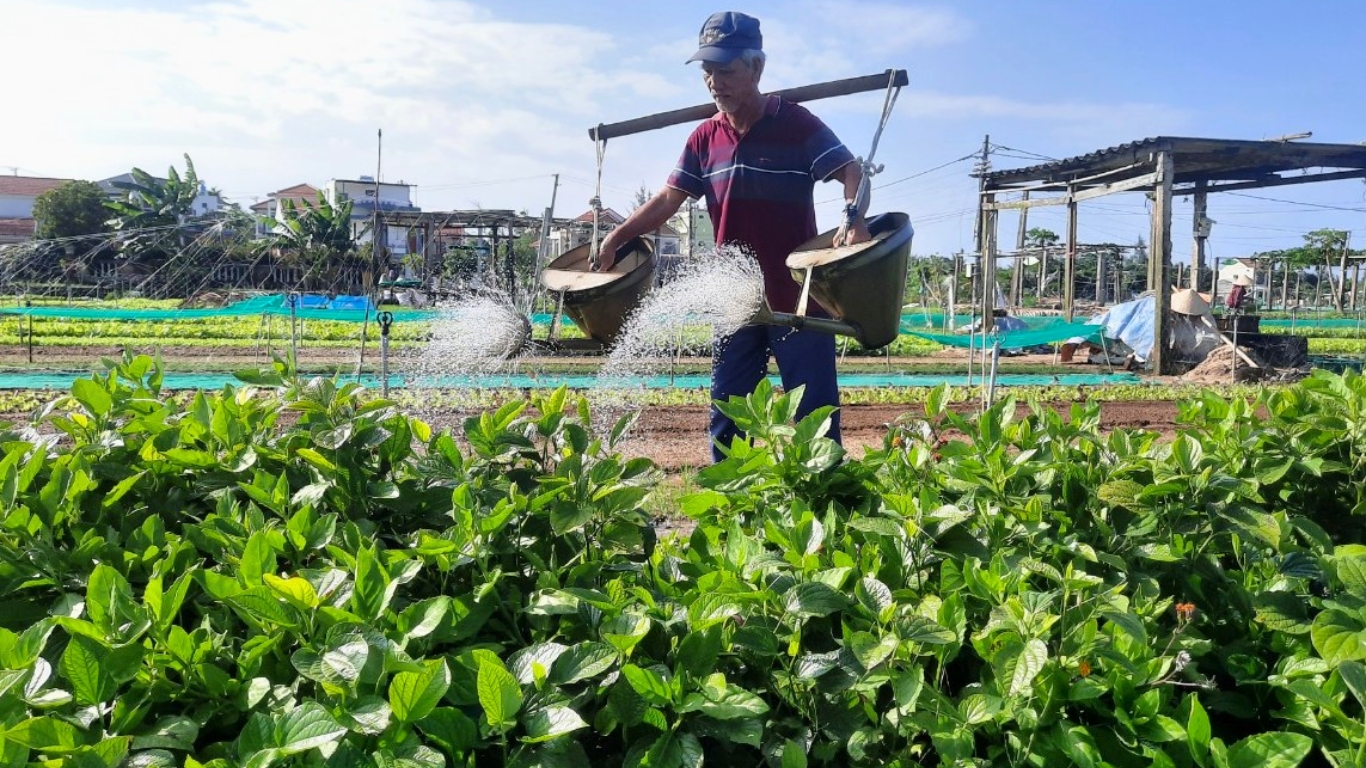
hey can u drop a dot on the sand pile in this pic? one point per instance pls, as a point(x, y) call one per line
point(1217, 368)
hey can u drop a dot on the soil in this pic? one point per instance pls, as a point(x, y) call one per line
point(675, 437)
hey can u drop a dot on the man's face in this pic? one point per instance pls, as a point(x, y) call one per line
point(731, 85)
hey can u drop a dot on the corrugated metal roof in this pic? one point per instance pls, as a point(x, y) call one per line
point(1193, 158)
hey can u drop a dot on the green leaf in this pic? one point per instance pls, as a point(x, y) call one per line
point(813, 599)
point(93, 396)
point(794, 755)
point(297, 591)
point(82, 665)
point(1338, 636)
point(525, 663)
point(1198, 730)
point(1025, 665)
point(306, 727)
point(258, 559)
point(550, 722)
point(450, 729)
point(45, 734)
point(625, 630)
point(413, 695)
point(649, 684)
point(581, 662)
point(1352, 574)
point(499, 694)
point(171, 732)
point(1270, 750)
point(1354, 675)
point(1283, 612)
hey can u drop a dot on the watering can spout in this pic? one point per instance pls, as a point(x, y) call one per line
point(766, 316)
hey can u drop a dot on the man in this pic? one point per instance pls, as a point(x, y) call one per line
point(756, 163)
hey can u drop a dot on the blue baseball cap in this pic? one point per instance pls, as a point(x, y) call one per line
point(725, 35)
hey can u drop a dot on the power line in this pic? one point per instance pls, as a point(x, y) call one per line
point(1300, 202)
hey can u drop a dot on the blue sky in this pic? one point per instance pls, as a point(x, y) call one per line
point(482, 102)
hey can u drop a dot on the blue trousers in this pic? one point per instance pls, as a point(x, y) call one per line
point(740, 362)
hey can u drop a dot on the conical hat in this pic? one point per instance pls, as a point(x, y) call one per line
point(1243, 280)
point(1188, 302)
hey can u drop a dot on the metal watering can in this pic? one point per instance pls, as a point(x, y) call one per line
point(863, 286)
point(600, 302)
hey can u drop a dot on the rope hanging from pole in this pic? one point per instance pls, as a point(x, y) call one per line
point(600, 147)
point(869, 168)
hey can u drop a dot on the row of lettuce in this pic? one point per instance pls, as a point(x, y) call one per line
point(301, 574)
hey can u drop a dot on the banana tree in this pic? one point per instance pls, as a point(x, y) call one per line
point(317, 236)
point(151, 204)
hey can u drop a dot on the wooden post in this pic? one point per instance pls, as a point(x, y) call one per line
point(1069, 281)
point(1356, 282)
point(1017, 274)
point(1199, 234)
point(1160, 260)
point(1101, 265)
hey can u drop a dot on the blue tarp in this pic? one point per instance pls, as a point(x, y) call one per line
point(1131, 323)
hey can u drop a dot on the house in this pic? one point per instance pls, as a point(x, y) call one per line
point(367, 196)
point(666, 239)
point(17, 195)
point(274, 204)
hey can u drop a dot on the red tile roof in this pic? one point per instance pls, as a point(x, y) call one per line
point(297, 192)
point(16, 228)
point(28, 186)
point(607, 215)
point(305, 192)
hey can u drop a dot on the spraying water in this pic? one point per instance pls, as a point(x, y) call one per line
point(710, 297)
point(477, 336)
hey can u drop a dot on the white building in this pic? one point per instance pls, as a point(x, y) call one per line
point(366, 195)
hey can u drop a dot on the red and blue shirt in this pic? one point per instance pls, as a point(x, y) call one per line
point(758, 187)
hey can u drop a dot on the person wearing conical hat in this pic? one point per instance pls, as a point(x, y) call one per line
point(1188, 301)
point(1238, 293)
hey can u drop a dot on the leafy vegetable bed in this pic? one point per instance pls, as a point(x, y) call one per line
point(315, 578)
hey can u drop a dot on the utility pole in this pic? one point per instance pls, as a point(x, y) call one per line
point(985, 219)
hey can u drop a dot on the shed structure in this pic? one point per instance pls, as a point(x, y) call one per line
point(1164, 167)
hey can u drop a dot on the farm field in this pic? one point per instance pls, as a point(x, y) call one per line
point(308, 576)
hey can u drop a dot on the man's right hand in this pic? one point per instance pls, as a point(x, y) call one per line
point(607, 255)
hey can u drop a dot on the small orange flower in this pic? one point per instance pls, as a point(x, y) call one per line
point(1084, 668)
point(1185, 612)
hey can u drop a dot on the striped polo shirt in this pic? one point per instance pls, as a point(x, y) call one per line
point(758, 187)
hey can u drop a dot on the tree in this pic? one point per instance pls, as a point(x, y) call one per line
point(154, 203)
point(1326, 245)
point(75, 208)
point(1042, 239)
point(641, 197)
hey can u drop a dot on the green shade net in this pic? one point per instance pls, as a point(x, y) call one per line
point(1038, 331)
point(1310, 322)
point(271, 304)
